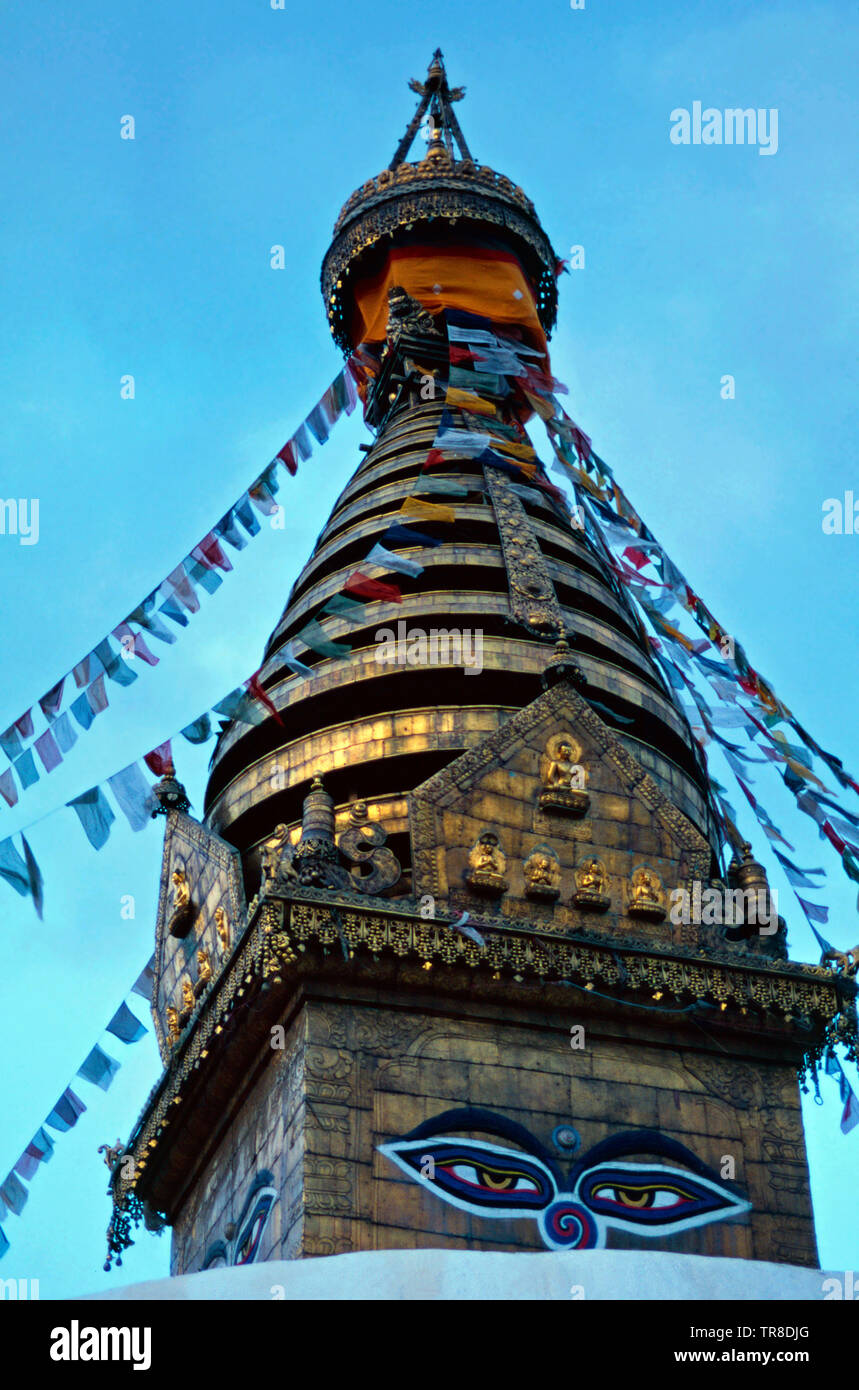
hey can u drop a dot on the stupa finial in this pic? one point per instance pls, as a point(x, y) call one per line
point(436, 98)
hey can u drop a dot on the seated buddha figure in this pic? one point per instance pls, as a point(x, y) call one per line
point(591, 893)
point(542, 874)
point(565, 779)
point(646, 896)
point(487, 865)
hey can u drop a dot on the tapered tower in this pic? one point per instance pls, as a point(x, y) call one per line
point(417, 978)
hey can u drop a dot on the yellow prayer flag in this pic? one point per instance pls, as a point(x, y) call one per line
point(427, 511)
point(468, 400)
point(544, 408)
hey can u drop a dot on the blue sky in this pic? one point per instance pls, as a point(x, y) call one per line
point(151, 257)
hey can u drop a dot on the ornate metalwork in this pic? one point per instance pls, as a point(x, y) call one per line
point(375, 867)
point(533, 601)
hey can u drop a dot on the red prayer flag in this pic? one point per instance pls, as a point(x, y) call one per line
point(24, 725)
point(211, 553)
point(434, 458)
point(460, 354)
point(160, 760)
point(833, 838)
point(638, 558)
point(364, 587)
point(50, 703)
point(255, 688)
point(287, 458)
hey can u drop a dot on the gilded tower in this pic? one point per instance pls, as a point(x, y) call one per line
point(417, 980)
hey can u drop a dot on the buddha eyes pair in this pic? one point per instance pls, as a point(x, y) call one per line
point(641, 1197)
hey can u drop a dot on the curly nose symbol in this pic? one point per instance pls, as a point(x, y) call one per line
point(569, 1226)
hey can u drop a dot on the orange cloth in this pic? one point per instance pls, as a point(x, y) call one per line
point(477, 279)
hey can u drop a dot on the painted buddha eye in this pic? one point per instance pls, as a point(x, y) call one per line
point(476, 1176)
point(644, 1198)
point(251, 1229)
point(631, 1195)
point(490, 1179)
point(250, 1240)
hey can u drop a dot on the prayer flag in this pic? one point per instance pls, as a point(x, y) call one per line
point(246, 515)
point(257, 690)
point(214, 552)
point(160, 760)
point(27, 1166)
point(50, 703)
point(25, 766)
point(34, 878)
point(203, 574)
point(303, 446)
point(184, 591)
point(317, 424)
point(11, 743)
point(427, 511)
point(82, 711)
point(134, 795)
point(227, 528)
point(64, 733)
point(297, 667)
point(403, 535)
point(13, 867)
point(446, 487)
point(8, 790)
point(66, 1112)
point(287, 457)
point(93, 811)
point(199, 731)
point(365, 587)
point(813, 911)
point(388, 560)
point(24, 724)
point(239, 705)
point(41, 1146)
point(14, 1194)
point(314, 636)
point(798, 878)
point(145, 981)
point(97, 695)
point(98, 1068)
point(171, 609)
point(126, 1026)
point(46, 747)
point(261, 496)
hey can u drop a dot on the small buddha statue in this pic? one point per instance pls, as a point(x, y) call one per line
point(646, 896)
point(591, 886)
point(487, 864)
point(565, 779)
point(182, 915)
point(222, 927)
point(204, 971)
point(542, 874)
point(173, 1029)
point(187, 997)
point(181, 891)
